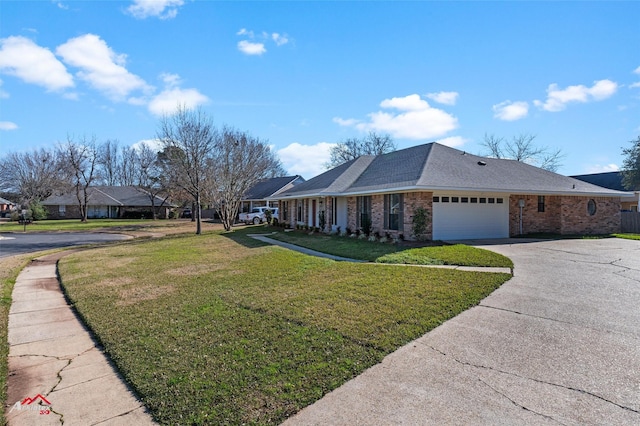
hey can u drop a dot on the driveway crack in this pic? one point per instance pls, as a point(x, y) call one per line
point(517, 404)
point(543, 382)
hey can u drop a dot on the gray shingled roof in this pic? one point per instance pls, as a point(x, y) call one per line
point(128, 196)
point(435, 167)
point(611, 180)
point(269, 187)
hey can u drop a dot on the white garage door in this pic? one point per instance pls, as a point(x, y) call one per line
point(463, 217)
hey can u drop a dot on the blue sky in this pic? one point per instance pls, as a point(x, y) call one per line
point(305, 75)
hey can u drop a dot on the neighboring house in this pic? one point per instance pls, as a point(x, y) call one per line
point(465, 196)
point(6, 207)
point(258, 195)
point(107, 202)
point(613, 180)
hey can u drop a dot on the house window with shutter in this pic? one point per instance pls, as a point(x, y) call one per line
point(393, 208)
point(364, 211)
point(299, 210)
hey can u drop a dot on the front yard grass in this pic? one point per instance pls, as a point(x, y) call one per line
point(222, 329)
point(433, 253)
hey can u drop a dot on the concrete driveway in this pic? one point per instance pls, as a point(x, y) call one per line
point(557, 344)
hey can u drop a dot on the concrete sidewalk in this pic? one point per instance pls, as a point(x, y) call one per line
point(57, 374)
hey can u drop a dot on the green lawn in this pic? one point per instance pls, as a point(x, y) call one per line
point(628, 236)
point(224, 329)
point(361, 249)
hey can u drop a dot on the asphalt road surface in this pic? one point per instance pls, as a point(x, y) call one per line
point(17, 243)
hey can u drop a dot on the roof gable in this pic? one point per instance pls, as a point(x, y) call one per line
point(433, 167)
point(268, 187)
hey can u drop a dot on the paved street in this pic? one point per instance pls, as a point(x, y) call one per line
point(557, 344)
point(19, 243)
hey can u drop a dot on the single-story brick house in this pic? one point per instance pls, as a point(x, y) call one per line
point(466, 196)
point(613, 180)
point(6, 207)
point(107, 202)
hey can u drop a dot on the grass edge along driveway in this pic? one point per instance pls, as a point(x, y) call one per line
point(216, 329)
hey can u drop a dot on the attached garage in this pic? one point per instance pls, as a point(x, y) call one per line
point(469, 216)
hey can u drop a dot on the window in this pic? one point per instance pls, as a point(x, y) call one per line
point(499, 200)
point(455, 199)
point(393, 207)
point(62, 210)
point(364, 211)
point(541, 203)
point(492, 200)
point(445, 199)
point(591, 207)
point(474, 199)
point(436, 199)
point(464, 199)
point(299, 210)
point(285, 211)
point(483, 200)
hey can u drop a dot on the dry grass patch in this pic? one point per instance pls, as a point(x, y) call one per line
point(131, 296)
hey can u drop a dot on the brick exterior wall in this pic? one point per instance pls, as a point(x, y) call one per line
point(352, 214)
point(411, 201)
point(564, 215)
point(576, 219)
point(328, 213)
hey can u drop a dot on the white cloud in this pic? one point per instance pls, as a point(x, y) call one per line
point(416, 119)
point(256, 44)
point(250, 48)
point(447, 98)
point(163, 9)
point(100, 66)
point(173, 95)
point(557, 99)
point(22, 58)
point(635, 85)
point(60, 5)
point(8, 125)
point(154, 144)
point(511, 111)
point(637, 70)
point(453, 141)
point(599, 168)
point(305, 160)
point(280, 39)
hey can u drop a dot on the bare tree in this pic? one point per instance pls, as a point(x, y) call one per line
point(188, 138)
point(523, 148)
point(149, 176)
point(109, 161)
point(33, 175)
point(81, 159)
point(631, 166)
point(127, 166)
point(240, 161)
point(352, 148)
